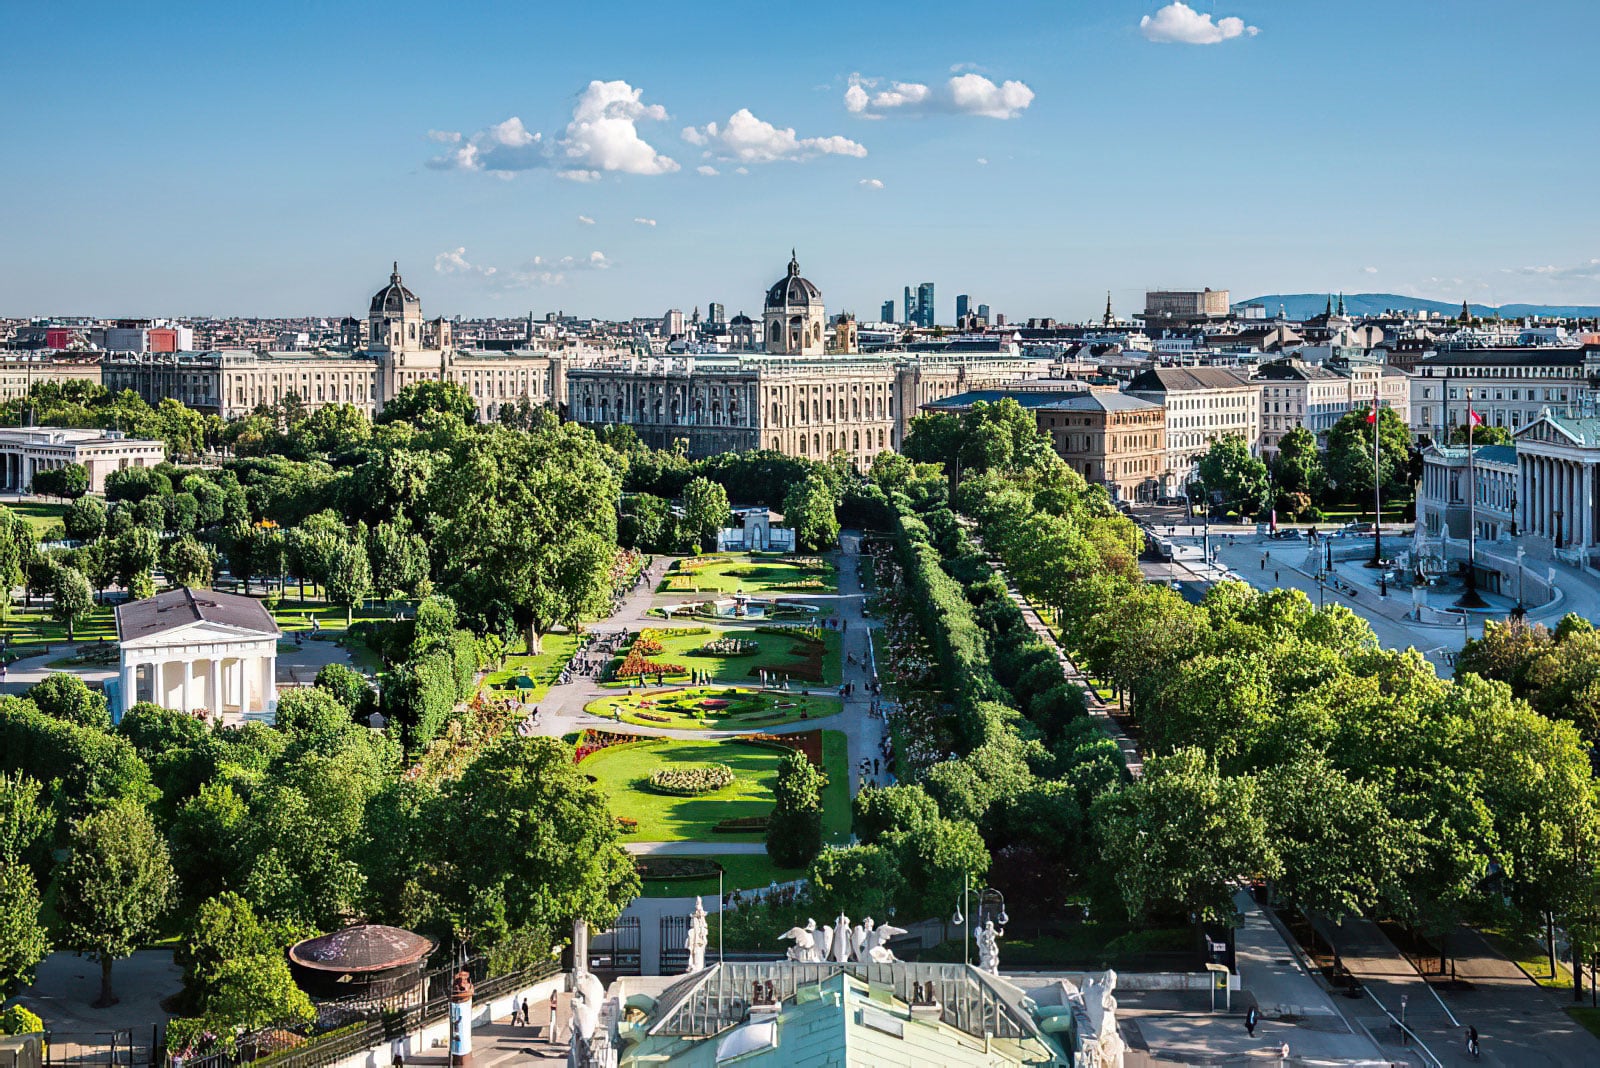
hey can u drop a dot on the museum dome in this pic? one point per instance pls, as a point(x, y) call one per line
point(394, 299)
point(793, 291)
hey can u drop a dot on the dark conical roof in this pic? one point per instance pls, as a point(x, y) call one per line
point(394, 299)
point(792, 290)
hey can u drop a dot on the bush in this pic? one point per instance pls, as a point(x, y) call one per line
point(740, 825)
point(691, 782)
point(17, 1020)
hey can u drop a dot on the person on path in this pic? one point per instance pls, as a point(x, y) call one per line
point(551, 1035)
point(1472, 1041)
point(1275, 577)
point(1251, 1018)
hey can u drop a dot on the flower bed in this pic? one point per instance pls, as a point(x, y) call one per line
point(675, 867)
point(741, 825)
point(634, 666)
point(592, 741)
point(653, 717)
point(646, 646)
point(692, 781)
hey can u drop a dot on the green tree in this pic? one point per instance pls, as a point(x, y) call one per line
point(188, 562)
point(794, 827)
point(398, 559)
point(210, 842)
point(65, 696)
point(349, 687)
point(414, 402)
point(234, 972)
point(1481, 435)
point(1181, 838)
point(705, 511)
point(114, 887)
point(71, 599)
point(1232, 477)
point(136, 552)
point(647, 524)
point(347, 576)
point(1297, 466)
point(528, 528)
point(311, 710)
point(809, 511)
point(25, 823)
point(17, 546)
point(1349, 458)
point(24, 941)
point(526, 843)
point(85, 519)
point(863, 880)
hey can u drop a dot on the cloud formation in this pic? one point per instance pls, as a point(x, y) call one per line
point(585, 220)
point(603, 137)
point(747, 139)
point(706, 170)
point(871, 183)
point(964, 94)
point(1369, 270)
point(642, 221)
point(1178, 23)
point(535, 272)
point(1583, 272)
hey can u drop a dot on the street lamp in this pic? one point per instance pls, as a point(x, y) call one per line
point(991, 907)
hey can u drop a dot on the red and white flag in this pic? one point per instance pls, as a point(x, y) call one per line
point(1477, 420)
point(1372, 416)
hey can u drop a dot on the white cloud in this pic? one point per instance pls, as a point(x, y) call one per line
point(964, 94)
point(602, 137)
point(643, 221)
point(535, 272)
point(747, 139)
point(741, 170)
point(870, 183)
point(982, 162)
point(1369, 270)
point(1178, 23)
point(706, 170)
point(1584, 272)
point(586, 220)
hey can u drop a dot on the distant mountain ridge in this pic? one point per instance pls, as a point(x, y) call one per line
point(1305, 305)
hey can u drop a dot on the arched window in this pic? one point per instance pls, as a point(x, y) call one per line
point(803, 444)
point(816, 443)
point(856, 438)
point(830, 442)
point(775, 419)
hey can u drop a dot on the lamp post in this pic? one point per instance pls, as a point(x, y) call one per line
point(991, 907)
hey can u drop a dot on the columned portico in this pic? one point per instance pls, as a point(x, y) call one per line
point(1558, 461)
point(198, 651)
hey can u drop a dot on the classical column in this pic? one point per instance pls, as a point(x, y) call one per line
point(214, 685)
point(130, 684)
point(1586, 503)
point(269, 684)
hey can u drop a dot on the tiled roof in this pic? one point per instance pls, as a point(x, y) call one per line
point(1053, 399)
point(180, 607)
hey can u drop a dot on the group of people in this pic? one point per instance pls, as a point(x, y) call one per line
point(594, 652)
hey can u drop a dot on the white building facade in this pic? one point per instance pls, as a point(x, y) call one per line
point(26, 451)
point(198, 651)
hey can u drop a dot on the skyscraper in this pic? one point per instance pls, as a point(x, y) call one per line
point(925, 315)
point(717, 313)
point(886, 313)
point(983, 312)
point(962, 301)
point(911, 308)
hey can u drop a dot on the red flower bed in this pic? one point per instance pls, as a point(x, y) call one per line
point(807, 742)
point(592, 741)
point(633, 665)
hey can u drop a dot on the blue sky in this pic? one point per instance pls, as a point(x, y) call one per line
point(273, 158)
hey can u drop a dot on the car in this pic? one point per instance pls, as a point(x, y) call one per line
point(1289, 533)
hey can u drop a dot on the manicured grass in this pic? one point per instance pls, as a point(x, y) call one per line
point(663, 818)
point(294, 614)
point(1092, 945)
point(1587, 1016)
point(29, 631)
point(41, 516)
point(739, 709)
point(740, 871)
point(543, 669)
point(778, 653)
point(749, 573)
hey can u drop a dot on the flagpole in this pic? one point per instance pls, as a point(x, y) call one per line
point(1377, 483)
point(1472, 504)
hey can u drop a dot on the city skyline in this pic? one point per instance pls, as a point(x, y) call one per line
point(1033, 159)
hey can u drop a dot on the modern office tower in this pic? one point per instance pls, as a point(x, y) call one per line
point(886, 313)
point(983, 312)
point(911, 308)
point(716, 313)
point(962, 300)
point(925, 314)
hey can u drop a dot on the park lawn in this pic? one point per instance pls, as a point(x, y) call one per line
point(777, 653)
point(758, 573)
point(1587, 1016)
point(32, 631)
point(663, 818)
point(543, 668)
point(740, 871)
point(40, 515)
point(674, 708)
point(293, 614)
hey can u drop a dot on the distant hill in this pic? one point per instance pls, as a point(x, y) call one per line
point(1305, 305)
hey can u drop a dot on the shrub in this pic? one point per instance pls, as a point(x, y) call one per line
point(741, 825)
point(17, 1020)
point(692, 781)
point(731, 647)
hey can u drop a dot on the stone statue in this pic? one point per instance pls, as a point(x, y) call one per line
point(988, 948)
point(805, 942)
point(698, 936)
point(1102, 1040)
point(859, 936)
point(841, 939)
point(877, 945)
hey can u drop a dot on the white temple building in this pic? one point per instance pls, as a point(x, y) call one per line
point(198, 650)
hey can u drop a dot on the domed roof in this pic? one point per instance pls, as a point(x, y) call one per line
point(740, 320)
point(364, 948)
point(791, 290)
point(394, 298)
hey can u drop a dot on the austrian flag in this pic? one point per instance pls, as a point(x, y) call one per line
point(1477, 420)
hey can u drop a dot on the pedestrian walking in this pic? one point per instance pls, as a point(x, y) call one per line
point(1251, 1018)
point(551, 1034)
point(874, 765)
point(1275, 577)
point(1472, 1041)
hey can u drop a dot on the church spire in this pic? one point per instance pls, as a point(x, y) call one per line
point(1109, 319)
point(1341, 302)
point(1328, 311)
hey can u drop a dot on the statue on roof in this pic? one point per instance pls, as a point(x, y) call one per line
point(698, 937)
point(988, 940)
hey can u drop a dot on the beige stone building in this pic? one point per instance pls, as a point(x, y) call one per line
point(1202, 404)
point(1110, 438)
point(1316, 396)
point(20, 372)
point(792, 397)
point(404, 350)
point(26, 451)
